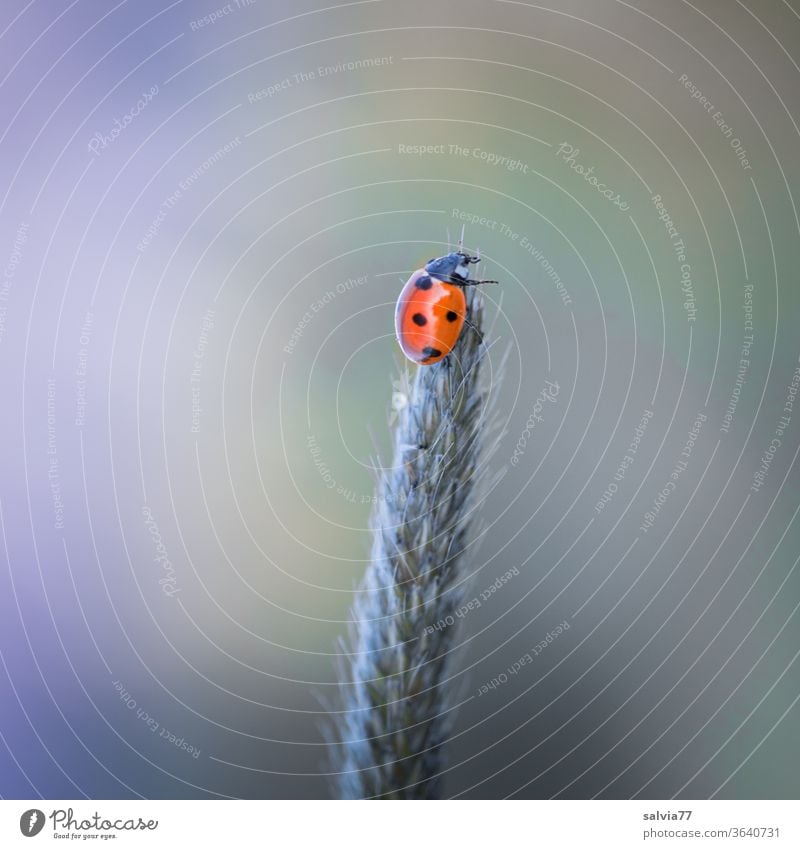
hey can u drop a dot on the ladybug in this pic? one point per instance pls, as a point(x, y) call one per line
point(432, 309)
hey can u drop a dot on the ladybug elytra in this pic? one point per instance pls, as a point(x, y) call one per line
point(431, 310)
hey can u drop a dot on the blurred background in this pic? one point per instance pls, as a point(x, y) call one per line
point(207, 213)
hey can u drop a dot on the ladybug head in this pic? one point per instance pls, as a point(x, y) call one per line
point(454, 264)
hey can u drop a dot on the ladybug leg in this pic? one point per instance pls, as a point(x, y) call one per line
point(448, 366)
point(457, 281)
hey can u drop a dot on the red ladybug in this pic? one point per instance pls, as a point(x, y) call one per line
point(432, 308)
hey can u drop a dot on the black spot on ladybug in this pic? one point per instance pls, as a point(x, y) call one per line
point(424, 283)
point(429, 352)
point(419, 319)
point(451, 316)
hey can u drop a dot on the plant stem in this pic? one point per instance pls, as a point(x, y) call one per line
point(399, 702)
